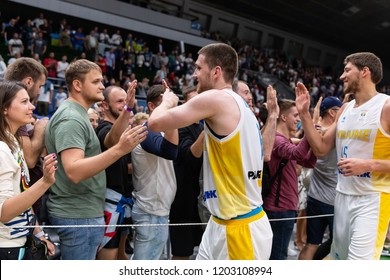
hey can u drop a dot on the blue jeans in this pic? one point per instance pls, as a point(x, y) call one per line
point(149, 240)
point(78, 243)
point(282, 231)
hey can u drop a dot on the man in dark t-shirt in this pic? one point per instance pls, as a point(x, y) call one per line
point(118, 115)
point(184, 208)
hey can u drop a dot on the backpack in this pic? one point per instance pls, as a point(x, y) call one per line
point(268, 180)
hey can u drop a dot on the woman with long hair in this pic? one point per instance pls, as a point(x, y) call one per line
point(16, 196)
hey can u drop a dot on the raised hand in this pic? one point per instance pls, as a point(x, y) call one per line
point(316, 112)
point(302, 99)
point(165, 85)
point(169, 97)
point(272, 102)
point(130, 99)
point(40, 126)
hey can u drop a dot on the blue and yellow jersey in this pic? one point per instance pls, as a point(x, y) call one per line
point(361, 135)
point(232, 167)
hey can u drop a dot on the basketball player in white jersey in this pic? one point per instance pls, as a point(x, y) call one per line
point(233, 156)
point(361, 135)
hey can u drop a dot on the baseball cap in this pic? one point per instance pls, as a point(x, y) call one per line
point(330, 102)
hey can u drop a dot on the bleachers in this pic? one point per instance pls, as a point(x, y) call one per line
point(261, 78)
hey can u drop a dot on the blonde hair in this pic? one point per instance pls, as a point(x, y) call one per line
point(92, 111)
point(78, 70)
point(140, 118)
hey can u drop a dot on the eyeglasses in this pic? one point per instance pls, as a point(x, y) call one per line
point(335, 109)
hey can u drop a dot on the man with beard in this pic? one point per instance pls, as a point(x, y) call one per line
point(361, 135)
point(77, 197)
point(118, 112)
point(232, 159)
point(33, 74)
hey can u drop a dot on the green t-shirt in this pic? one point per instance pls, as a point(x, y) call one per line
point(70, 128)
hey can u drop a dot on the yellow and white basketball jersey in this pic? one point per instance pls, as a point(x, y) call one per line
point(360, 135)
point(232, 167)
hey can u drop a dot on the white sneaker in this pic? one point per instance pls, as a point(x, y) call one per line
point(292, 252)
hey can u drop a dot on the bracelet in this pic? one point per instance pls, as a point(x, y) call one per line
point(40, 234)
point(127, 108)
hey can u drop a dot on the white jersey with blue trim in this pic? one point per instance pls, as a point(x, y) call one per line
point(232, 166)
point(361, 135)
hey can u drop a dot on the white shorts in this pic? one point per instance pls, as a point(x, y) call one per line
point(360, 226)
point(248, 238)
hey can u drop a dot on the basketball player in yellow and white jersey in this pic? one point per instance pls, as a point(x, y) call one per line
point(233, 156)
point(361, 135)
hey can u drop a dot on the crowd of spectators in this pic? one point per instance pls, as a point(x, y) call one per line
point(125, 57)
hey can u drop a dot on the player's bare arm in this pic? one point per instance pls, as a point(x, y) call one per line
point(269, 131)
point(320, 144)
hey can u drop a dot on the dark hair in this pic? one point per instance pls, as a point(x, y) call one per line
point(154, 92)
point(78, 70)
point(263, 113)
point(187, 91)
point(235, 84)
point(8, 91)
point(324, 112)
point(224, 56)
point(367, 59)
point(25, 67)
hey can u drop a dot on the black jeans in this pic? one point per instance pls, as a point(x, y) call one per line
point(10, 253)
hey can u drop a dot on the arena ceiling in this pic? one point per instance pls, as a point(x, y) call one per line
point(360, 25)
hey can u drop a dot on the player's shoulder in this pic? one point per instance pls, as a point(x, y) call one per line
point(216, 93)
point(386, 107)
point(212, 96)
point(213, 91)
point(385, 116)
